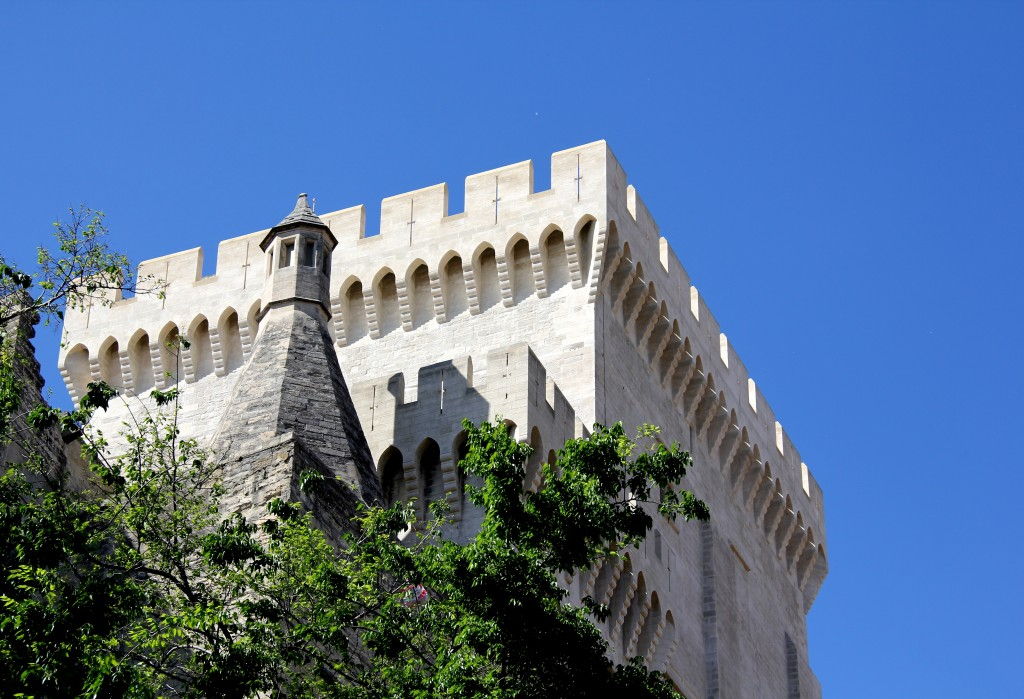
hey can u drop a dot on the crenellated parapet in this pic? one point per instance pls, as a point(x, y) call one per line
point(413, 425)
point(424, 265)
point(649, 294)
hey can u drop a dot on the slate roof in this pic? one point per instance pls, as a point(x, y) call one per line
point(301, 215)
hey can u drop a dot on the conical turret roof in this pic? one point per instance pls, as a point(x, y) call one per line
point(301, 215)
point(293, 386)
point(302, 212)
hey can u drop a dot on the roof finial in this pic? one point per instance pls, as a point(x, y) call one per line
point(302, 212)
point(301, 205)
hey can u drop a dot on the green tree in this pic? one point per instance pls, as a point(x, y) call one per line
point(496, 622)
point(63, 603)
point(56, 600)
point(140, 586)
point(82, 270)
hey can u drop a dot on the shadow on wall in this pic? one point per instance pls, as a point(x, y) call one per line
point(429, 441)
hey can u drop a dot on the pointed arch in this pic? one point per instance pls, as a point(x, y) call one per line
point(603, 579)
point(354, 310)
point(645, 644)
point(666, 644)
point(787, 521)
point(796, 537)
point(646, 312)
point(613, 247)
point(531, 479)
point(201, 349)
point(110, 363)
point(765, 488)
point(230, 333)
point(76, 371)
point(734, 469)
point(453, 285)
point(631, 615)
point(620, 595)
point(750, 475)
point(584, 234)
point(520, 268)
point(485, 267)
point(675, 351)
point(585, 578)
point(727, 444)
point(805, 557)
point(171, 360)
point(690, 381)
point(140, 358)
point(775, 496)
point(251, 329)
point(659, 335)
point(555, 259)
point(459, 450)
point(700, 383)
point(253, 316)
point(606, 256)
point(773, 513)
point(716, 419)
point(392, 475)
point(385, 296)
point(428, 459)
point(417, 283)
point(621, 274)
point(815, 576)
point(706, 402)
point(635, 291)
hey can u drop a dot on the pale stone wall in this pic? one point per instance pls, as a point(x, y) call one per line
point(515, 387)
point(553, 309)
point(662, 358)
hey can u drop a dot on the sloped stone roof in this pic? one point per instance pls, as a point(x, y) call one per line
point(302, 213)
point(293, 385)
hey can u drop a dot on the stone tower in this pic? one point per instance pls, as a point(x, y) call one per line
point(552, 309)
point(290, 411)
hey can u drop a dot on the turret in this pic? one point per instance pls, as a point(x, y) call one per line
point(290, 409)
point(298, 259)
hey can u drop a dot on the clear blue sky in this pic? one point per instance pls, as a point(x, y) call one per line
point(843, 182)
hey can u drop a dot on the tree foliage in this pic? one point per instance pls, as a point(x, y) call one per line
point(144, 586)
point(80, 271)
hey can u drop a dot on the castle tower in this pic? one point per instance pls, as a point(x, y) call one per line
point(298, 258)
point(290, 410)
point(550, 309)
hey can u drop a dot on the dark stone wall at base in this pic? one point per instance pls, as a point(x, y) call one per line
point(17, 336)
point(252, 480)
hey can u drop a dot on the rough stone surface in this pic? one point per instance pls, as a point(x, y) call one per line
point(293, 384)
point(274, 471)
point(23, 440)
point(290, 410)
